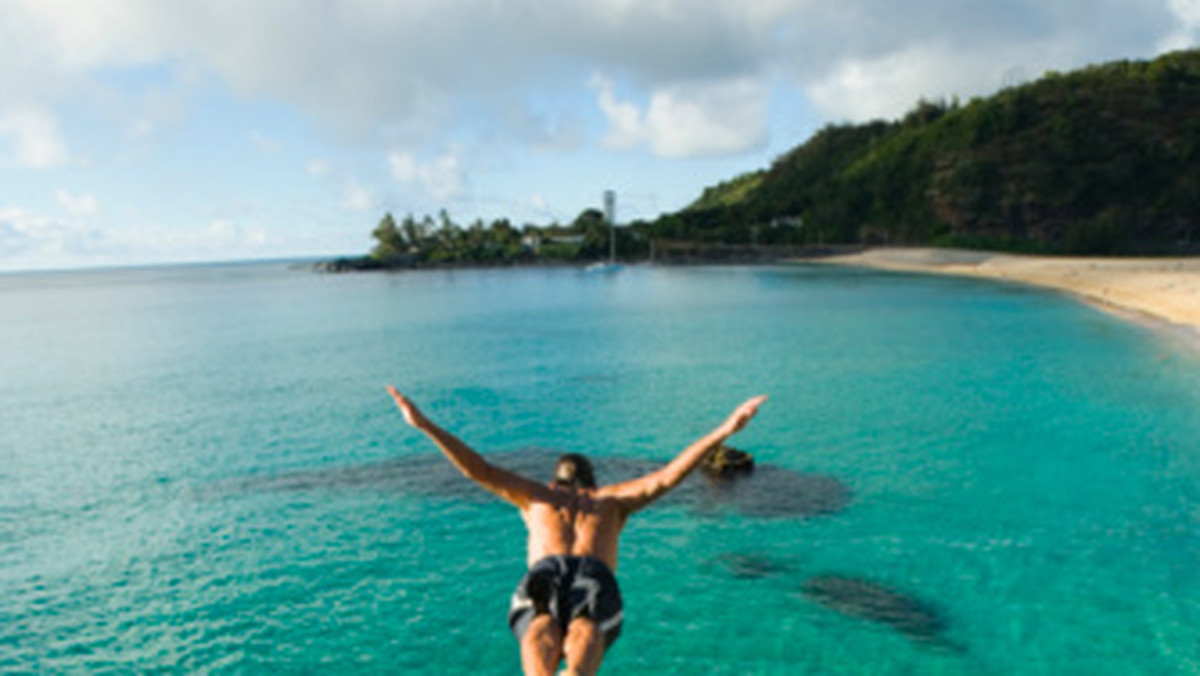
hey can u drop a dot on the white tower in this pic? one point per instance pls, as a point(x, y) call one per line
point(610, 207)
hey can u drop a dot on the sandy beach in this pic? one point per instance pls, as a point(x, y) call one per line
point(1161, 289)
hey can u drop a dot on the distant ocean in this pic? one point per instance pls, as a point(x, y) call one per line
point(200, 470)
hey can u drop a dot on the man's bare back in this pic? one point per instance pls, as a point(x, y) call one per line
point(572, 545)
point(575, 521)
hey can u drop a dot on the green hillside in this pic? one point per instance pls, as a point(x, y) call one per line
point(1104, 160)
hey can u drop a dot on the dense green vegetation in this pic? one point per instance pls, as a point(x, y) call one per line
point(1104, 160)
point(443, 242)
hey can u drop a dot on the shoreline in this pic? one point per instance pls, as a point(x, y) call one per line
point(1162, 291)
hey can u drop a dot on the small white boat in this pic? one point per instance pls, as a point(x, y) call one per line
point(603, 267)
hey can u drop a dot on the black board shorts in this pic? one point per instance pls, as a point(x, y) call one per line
point(567, 587)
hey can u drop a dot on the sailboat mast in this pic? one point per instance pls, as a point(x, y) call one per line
point(610, 215)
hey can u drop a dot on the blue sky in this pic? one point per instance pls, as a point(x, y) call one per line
point(142, 131)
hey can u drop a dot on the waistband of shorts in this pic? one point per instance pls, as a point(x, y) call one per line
point(568, 559)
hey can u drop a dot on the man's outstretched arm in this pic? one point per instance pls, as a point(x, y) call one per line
point(641, 492)
point(508, 485)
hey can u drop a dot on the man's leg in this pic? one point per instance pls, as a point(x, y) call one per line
point(584, 647)
point(541, 646)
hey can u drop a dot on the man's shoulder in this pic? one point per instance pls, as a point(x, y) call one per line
point(623, 489)
point(611, 496)
point(605, 492)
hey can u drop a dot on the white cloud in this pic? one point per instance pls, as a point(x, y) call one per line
point(265, 143)
point(625, 123)
point(710, 119)
point(34, 139)
point(1187, 13)
point(356, 196)
point(407, 67)
point(18, 230)
point(353, 194)
point(222, 234)
point(889, 86)
point(32, 240)
point(78, 205)
point(29, 240)
point(412, 70)
point(688, 120)
point(441, 178)
point(871, 58)
point(153, 113)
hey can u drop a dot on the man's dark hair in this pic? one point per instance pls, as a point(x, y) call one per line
point(572, 469)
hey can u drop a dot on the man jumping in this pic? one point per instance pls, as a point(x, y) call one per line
point(568, 604)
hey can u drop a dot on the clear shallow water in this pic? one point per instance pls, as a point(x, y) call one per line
point(201, 471)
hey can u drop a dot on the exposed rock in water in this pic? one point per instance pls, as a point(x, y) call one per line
point(857, 597)
point(355, 264)
point(726, 461)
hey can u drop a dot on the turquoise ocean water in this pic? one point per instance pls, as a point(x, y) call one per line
point(200, 470)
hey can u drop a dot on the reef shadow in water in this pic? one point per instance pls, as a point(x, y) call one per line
point(769, 492)
point(750, 566)
point(857, 597)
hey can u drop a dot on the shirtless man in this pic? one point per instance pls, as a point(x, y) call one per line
point(568, 604)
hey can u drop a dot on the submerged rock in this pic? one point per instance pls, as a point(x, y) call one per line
point(429, 475)
point(751, 566)
point(868, 600)
point(768, 492)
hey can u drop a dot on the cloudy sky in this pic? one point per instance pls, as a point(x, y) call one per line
point(141, 131)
